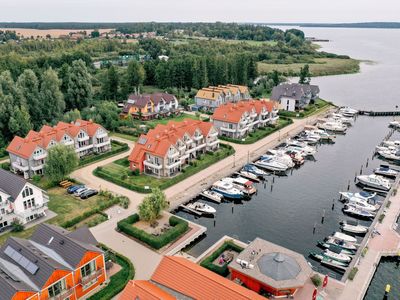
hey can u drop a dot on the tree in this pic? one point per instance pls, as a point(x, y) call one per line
point(51, 99)
point(152, 206)
point(133, 78)
point(95, 34)
point(275, 76)
point(110, 84)
point(79, 86)
point(20, 121)
point(305, 76)
point(61, 161)
point(105, 113)
point(28, 84)
point(72, 115)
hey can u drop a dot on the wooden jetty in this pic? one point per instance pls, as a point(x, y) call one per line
point(379, 113)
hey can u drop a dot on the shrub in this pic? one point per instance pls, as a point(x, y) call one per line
point(135, 172)
point(36, 178)
point(221, 270)
point(119, 280)
point(16, 226)
point(179, 227)
point(6, 166)
point(364, 251)
point(381, 217)
point(316, 280)
point(353, 273)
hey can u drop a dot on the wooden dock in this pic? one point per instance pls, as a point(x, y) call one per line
point(379, 113)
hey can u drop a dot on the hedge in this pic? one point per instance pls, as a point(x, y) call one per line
point(353, 273)
point(122, 147)
point(118, 281)
point(179, 227)
point(221, 270)
point(100, 173)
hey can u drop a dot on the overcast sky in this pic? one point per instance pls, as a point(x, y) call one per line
point(199, 10)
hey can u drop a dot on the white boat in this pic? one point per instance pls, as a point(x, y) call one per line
point(271, 165)
point(337, 256)
point(301, 146)
point(386, 171)
point(324, 135)
point(343, 119)
point(201, 207)
point(354, 211)
point(347, 111)
point(248, 175)
point(345, 237)
point(390, 154)
point(329, 262)
point(242, 184)
point(333, 126)
point(227, 190)
point(394, 124)
point(254, 170)
point(213, 195)
point(340, 243)
point(366, 196)
point(281, 158)
point(353, 227)
point(395, 143)
point(330, 247)
point(361, 204)
point(374, 181)
point(386, 148)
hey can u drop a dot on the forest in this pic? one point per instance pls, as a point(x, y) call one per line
point(43, 81)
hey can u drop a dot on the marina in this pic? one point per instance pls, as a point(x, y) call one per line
point(308, 213)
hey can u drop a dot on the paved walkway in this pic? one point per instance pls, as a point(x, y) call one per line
point(144, 259)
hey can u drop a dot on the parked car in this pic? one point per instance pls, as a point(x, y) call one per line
point(89, 193)
point(80, 191)
point(74, 188)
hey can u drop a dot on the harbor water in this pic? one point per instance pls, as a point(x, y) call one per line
point(286, 209)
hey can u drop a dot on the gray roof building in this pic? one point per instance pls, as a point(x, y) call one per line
point(302, 93)
point(11, 184)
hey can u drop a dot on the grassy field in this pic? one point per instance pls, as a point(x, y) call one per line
point(320, 67)
point(186, 40)
point(116, 148)
point(124, 136)
point(119, 172)
point(260, 133)
point(66, 207)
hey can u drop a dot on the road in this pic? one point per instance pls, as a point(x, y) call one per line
point(144, 259)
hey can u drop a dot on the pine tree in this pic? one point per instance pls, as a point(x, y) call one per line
point(110, 84)
point(133, 78)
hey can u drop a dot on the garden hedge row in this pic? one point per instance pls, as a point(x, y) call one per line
point(221, 270)
point(100, 173)
point(179, 227)
point(118, 281)
point(120, 147)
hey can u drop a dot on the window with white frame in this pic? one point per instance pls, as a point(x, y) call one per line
point(29, 203)
point(88, 269)
point(57, 288)
point(27, 192)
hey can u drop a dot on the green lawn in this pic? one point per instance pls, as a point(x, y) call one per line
point(260, 133)
point(116, 148)
point(124, 136)
point(155, 122)
point(308, 111)
point(320, 67)
point(119, 172)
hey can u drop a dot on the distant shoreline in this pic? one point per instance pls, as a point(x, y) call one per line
point(365, 25)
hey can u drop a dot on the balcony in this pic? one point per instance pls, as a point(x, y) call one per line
point(189, 141)
point(198, 137)
point(40, 156)
point(84, 148)
point(213, 134)
point(18, 166)
point(91, 277)
point(36, 168)
point(228, 129)
point(152, 165)
point(102, 135)
point(106, 143)
point(213, 143)
point(63, 295)
point(38, 207)
point(69, 143)
point(265, 112)
point(84, 138)
point(274, 118)
point(174, 154)
point(173, 165)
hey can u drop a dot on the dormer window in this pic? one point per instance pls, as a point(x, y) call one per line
point(27, 192)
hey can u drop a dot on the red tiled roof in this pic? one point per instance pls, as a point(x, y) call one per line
point(194, 281)
point(24, 147)
point(158, 140)
point(143, 290)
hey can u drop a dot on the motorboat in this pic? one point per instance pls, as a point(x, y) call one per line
point(386, 171)
point(296, 156)
point(329, 262)
point(213, 195)
point(343, 119)
point(374, 181)
point(354, 211)
point(337, 256)
point(386, 148)
point(348, 112)
point(390, 154)
point(340, 243)
point(201, 207)
point(366, 196)
point(333, 126)
point(242, 184)
point(250, 168)
point(344, 237)
point(301, 146)
point(395, 143)
point(309, 137)
point(281, 158)
point(394, 124)
point(271, 165)
point(248, 175)
point(330, 247)
point(227, 190)
point(361, 204)
point(325, 136)
point(353, 227)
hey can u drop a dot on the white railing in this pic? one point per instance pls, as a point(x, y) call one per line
point(68, 143)
point(228, 129)
point(83, 148)
point(98, 145)
point(152, 165)
point(82, 139)
point(213, 134)
point(198, 137)
point(38, 167)
point(210, 144)
point(175, 164)
point(172, 155)
point(102, 135)
point(40, 156)
point(20, 167)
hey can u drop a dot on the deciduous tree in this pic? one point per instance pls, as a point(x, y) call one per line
point(152, 206)
point(61, 161)
point(79, 86)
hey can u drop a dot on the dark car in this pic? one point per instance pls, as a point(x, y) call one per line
point(74, 188)
point(89, 193)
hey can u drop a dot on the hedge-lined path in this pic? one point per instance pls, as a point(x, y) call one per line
point(144, 259)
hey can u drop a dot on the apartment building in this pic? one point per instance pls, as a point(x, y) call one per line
point(53, 264)
point(166, 149)
point(150, 106)
point(213, 96)
point(294, 96)
point(28, 155)
point(20, 200)
point(236, 120)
